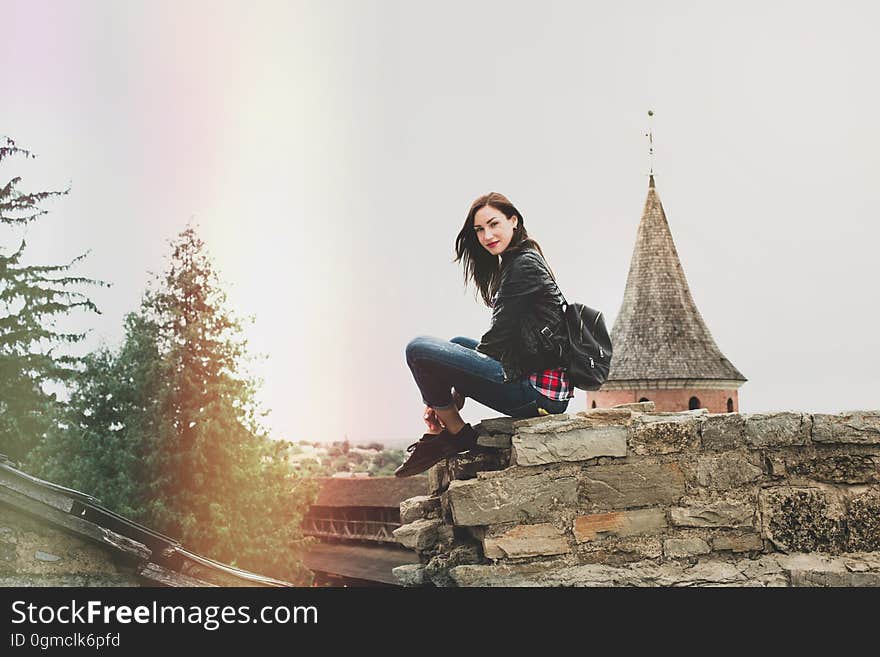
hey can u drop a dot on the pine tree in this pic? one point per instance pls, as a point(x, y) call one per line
point(32, 299)
point(217, 480)
point(167, 430)
point(100, 445)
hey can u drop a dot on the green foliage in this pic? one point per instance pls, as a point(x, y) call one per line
point(168, 430)
point(334, 459)
point(100, 447)
point(32, 299)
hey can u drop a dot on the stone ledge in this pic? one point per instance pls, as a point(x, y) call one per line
point(722, 431)
point(658, 433)
point(777, 429)
point(768, 570)
point(580, 444)
point(857, 427)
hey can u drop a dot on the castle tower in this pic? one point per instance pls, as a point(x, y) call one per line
point(663, 351)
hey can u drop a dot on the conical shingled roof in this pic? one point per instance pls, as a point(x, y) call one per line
point(659, 333)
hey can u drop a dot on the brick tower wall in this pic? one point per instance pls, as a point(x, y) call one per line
point(667, 400)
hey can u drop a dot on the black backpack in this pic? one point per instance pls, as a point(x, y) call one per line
point(582, 343)
point(588, 358)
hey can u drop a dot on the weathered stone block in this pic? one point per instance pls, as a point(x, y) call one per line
point(416, 508)
point(605, 416)
point(695, 413)
point(545, 423)
point(775, 465)
point(488, 501)
point(619, 486)
point(859, 427)
point(572, 445)
point(639, 407)
point(616, 551)
point(863, 522)
point(495, 425)
point(726, 470)
point(411, 574)
point(635, 548)
point(664, 434)
point(764, 571)
point(821, 570)
point(526, 541)
point(496, 440)
point(723, 431)
point(802, 519)
point(717, 513)
point(767, 570)
point(424, 535)
point(802, 578)
point(438, 568)
point(737, 542)
point(467, 465)
point(677, 548)
point(438, 478)
point(836, 468)
point(619, 523)
point(777, 429)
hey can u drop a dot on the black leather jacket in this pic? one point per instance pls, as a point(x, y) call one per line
point(528, 300)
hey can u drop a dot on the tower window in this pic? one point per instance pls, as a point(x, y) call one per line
point(694, 403)
point(594, 403)
point(644, 399)
point(729, 405)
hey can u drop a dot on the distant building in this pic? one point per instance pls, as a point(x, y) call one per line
point(663, 350)
point(306, 453)
point(354, 517)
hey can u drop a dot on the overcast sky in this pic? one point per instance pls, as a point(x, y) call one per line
point(329, 152)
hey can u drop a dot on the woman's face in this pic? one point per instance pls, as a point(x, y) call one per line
point(493, 229)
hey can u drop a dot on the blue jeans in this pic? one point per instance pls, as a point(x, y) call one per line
point(438, 366)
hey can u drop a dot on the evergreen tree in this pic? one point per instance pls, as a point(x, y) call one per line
point(168, 431)
point(32, 299)
point(217, 480)
point(100, 445)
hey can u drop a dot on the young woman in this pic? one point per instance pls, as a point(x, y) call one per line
point(515, 368)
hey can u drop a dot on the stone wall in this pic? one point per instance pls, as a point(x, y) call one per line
point(33, 553)
point(631, 496)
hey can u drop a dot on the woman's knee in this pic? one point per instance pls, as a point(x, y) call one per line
point(419, 346)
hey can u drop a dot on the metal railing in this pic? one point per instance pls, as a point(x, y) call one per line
point(371, 530)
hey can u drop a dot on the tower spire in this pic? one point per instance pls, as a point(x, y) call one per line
point(659, 334)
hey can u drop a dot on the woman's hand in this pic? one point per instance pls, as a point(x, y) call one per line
point(433, 422)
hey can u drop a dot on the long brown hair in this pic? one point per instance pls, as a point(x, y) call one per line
point(479, 265)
